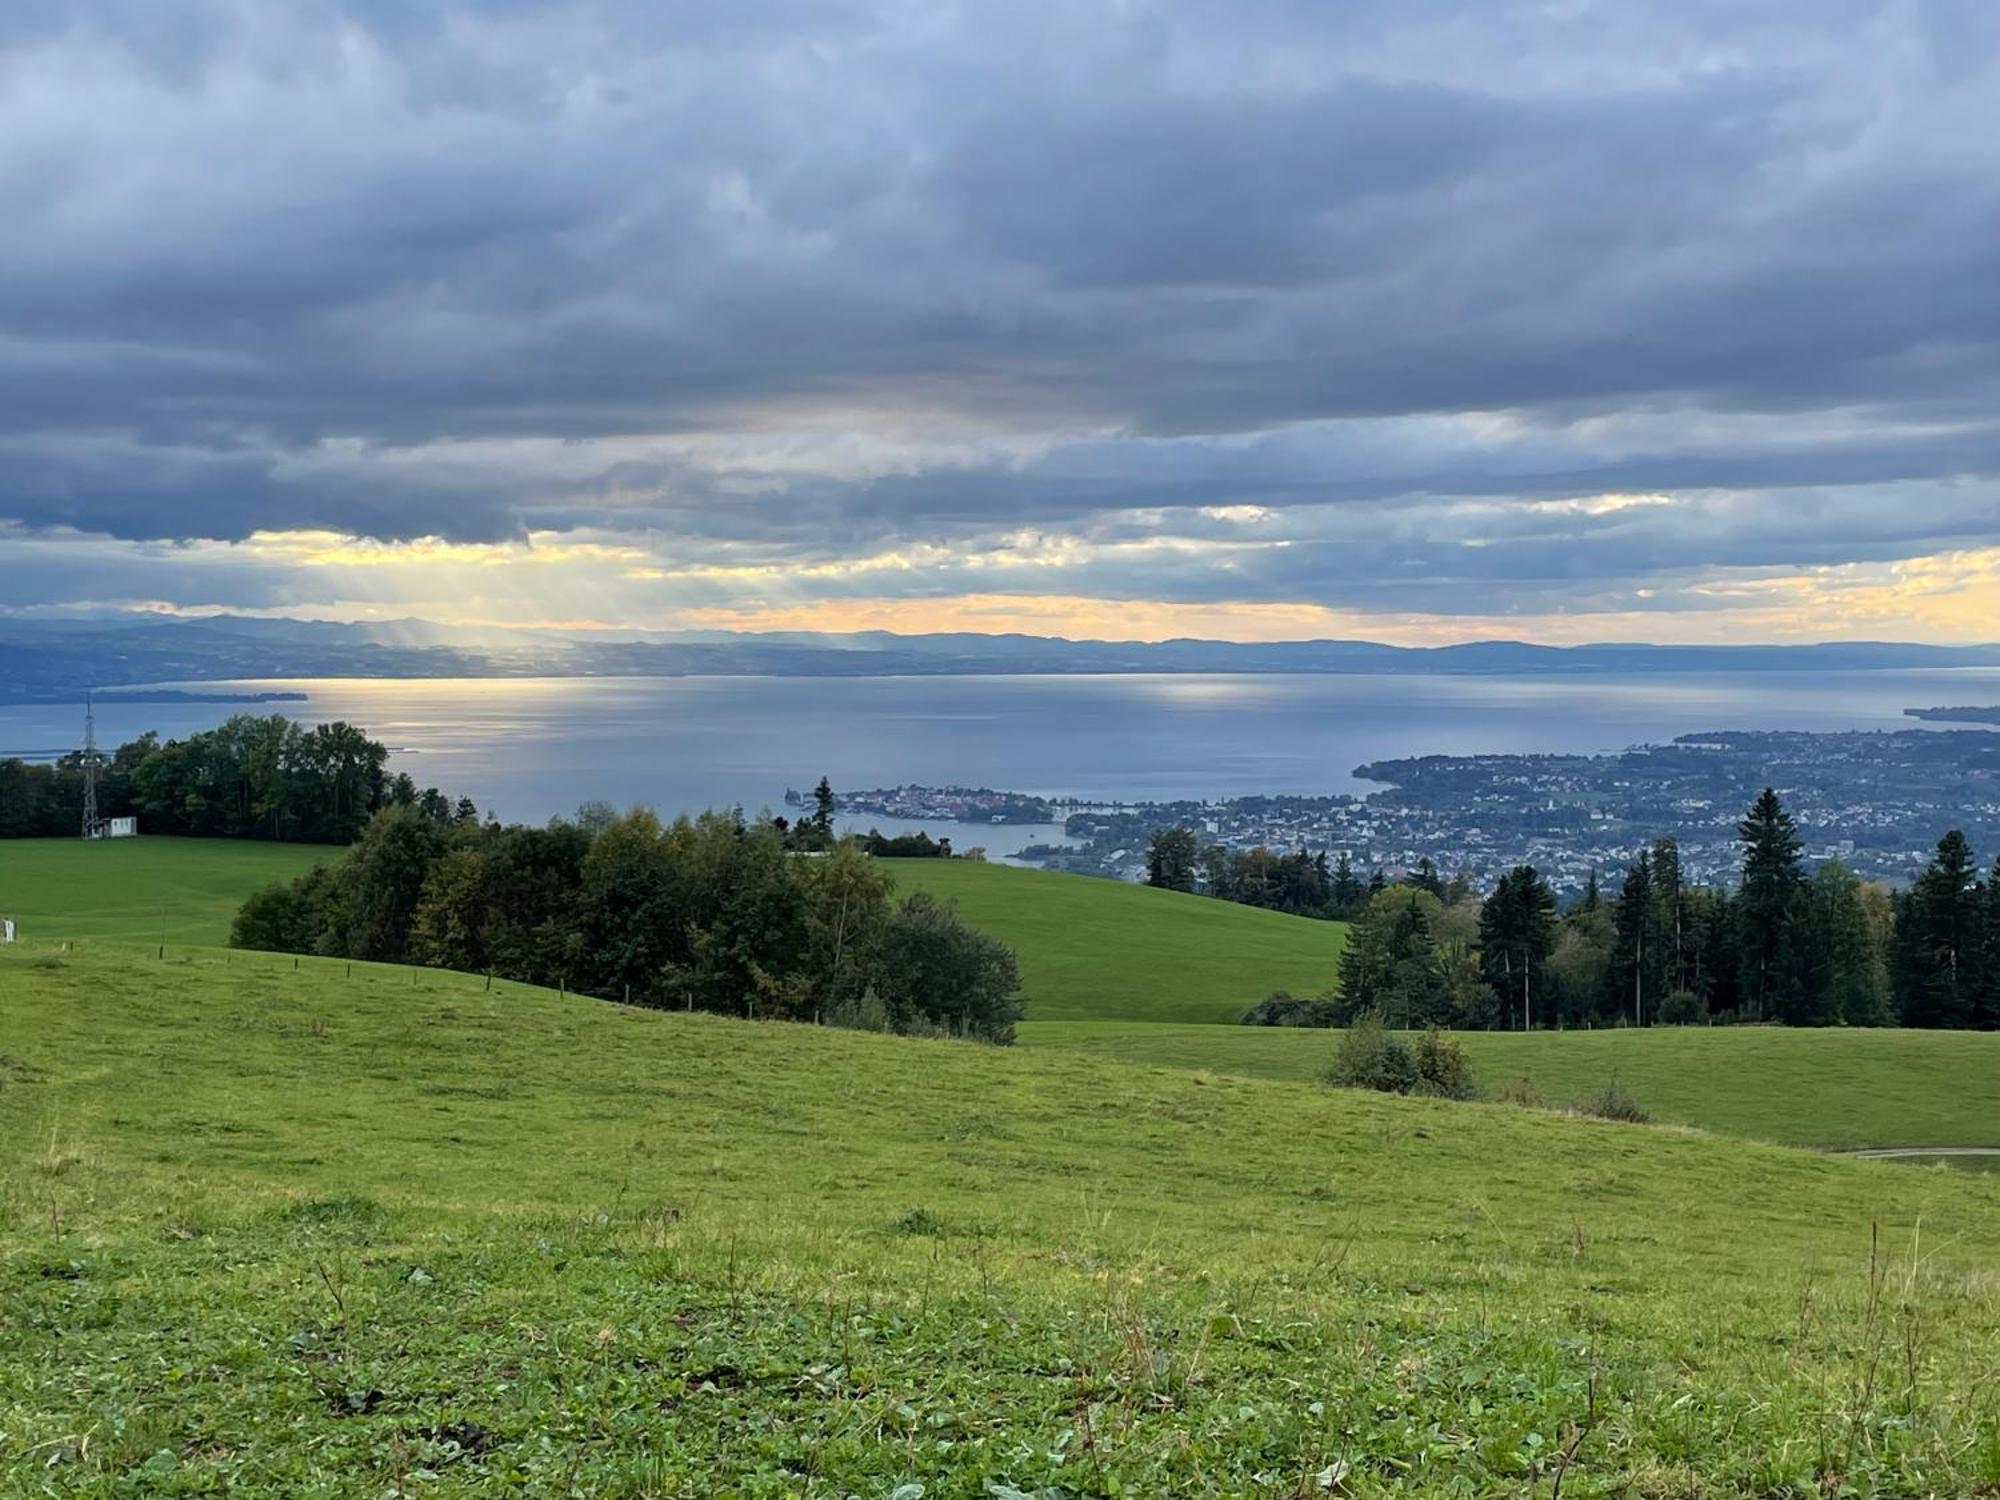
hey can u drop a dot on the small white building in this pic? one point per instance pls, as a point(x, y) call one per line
point(121, 828)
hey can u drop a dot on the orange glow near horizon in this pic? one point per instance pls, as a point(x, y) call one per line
point(613, 583)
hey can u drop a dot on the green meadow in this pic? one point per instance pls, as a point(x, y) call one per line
point(1834, 1089)
point(139, 891)
point(1106, 950)
point(311, 1232)
point(332, 1230)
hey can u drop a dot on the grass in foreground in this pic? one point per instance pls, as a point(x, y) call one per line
point(306, 1234)
point(1108, 950)
point(179, 892)
point(1833, 1089)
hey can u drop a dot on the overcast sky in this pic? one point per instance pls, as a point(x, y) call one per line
point(1425, 320)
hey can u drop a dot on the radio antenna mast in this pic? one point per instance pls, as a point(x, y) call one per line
point(90, 828)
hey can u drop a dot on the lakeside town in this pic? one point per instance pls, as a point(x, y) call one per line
point(1872, 800)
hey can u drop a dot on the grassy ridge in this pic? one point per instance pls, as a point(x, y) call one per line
point(1107, 950)
point(137, 891)
point(1836, 1089)
point(1089, 949)
point(314, 1234)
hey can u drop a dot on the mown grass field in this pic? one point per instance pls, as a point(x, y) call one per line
point(307, 1233)
point(1835, 1089)
point(1107, 950)
point(137, 891)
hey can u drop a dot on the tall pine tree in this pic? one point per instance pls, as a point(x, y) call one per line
point(1672, 963)
point(1769, 912)
point(1626, 980)
point(1940, 940)
point(1517, 932)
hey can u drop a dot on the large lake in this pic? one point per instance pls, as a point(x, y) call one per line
point(530, 748)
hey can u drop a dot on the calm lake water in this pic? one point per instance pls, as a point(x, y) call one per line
point(531, 748)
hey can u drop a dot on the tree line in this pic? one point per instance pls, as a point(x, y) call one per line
point(1300, 884)
point(252, 777)
point(711, 913)
point(1805, 947)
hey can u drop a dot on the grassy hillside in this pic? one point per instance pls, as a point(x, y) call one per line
point(1108, 950)
point(1098, 949)
point(1092, 949)
point(143, 890)
point(319, 1234)
point(1833, 1089)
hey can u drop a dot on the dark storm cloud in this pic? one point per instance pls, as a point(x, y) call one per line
point(274, 267)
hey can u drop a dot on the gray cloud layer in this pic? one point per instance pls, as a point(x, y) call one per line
point(793, 281)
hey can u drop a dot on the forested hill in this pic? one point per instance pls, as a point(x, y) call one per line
point(251, 777)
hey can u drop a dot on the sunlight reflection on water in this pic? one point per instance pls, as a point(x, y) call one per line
point(532, 747)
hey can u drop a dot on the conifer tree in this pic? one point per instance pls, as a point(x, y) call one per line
point(1627, 989)
point(1940, 938)
point(1671, 963)
point(1769, 908)
point(1347, 891)
point(1592, 898)
point(1517, 933)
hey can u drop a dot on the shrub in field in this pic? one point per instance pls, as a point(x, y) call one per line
point(1683, 1008)
point(862, 1012)
point(278, 919)
point(1443, 1069)
point(1522, 1091)
point(1369, 1056)
point(1613, 1103)
point(1281, 1008)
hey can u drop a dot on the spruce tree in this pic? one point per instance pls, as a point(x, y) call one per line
point(1670, 965)
point(1592, 898)
point(1348, 892)
point(1517, 933)
point(1769, 910)
point(1626, 988)
point(1940, 938)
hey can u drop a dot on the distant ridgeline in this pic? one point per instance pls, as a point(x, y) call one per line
point(249, 778)
point(48, 658)
point(1965, 715)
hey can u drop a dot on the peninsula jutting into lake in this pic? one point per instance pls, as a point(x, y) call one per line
point(1871, 800)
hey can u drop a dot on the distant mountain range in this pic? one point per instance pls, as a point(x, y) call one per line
point(56, 661)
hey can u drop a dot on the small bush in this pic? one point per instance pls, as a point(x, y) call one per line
point(1683, 1008)
point(1368, 1056)
point(1613, 1103)
point(277, 919)
point(1522, 1091)
point(862, 1012)
point(1283, 1009)
point(1443, 1069)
